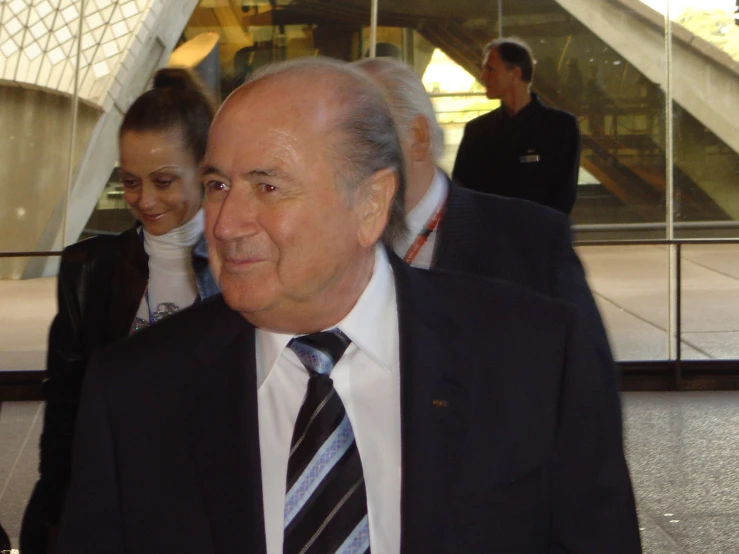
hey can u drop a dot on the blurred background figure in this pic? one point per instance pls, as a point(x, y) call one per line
point(523, 149)
point(112, 286)
point(574, 80)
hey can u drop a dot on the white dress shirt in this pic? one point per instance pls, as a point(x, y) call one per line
point(417, 218)
point(367, 379)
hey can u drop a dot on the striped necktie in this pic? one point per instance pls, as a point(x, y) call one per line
point(326, 501)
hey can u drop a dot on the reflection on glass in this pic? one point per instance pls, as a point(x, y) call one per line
point(710, 293)
point(630, 286)
point(706, 142)
point(34, 159)
point(111, 214)
point(619, 102)
point(711, 20)
point(259, 33)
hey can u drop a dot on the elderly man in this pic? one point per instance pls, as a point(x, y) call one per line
point(456, 229)
point(523, 149)
point(340, 401)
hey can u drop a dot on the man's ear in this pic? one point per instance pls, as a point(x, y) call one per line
point(420, 139)
point(374, 205)
point(518, 73)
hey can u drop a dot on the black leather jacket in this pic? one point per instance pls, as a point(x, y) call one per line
point(100, 285)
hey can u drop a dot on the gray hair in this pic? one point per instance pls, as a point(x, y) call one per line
point(365, 140)
point(406, 96)
point(514, 52)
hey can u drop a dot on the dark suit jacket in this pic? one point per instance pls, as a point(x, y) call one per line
point(534, 155)
point(100, 285)
point(520, 455)
point(522, 243)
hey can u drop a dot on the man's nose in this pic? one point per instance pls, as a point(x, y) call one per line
point(235, 217)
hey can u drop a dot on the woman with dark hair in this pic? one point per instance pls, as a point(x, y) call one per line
point(112, 286)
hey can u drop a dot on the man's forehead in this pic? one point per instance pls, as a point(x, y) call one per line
point(279, 98)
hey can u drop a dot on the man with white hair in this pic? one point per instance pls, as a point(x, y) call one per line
point(457, 229)
point(335, 400)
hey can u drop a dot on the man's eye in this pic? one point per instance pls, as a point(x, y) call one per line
point(214, 186)
point(266, 187)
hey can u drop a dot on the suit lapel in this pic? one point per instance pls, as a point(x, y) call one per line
point(434, 375)
point(224, 434)
point(130, 277)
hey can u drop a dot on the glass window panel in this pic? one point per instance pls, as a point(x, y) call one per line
point(601, 61)
point(111, 214)
point(34, 162)
point(259, 33)
point(630, 287)
point(28, 306)
point(705, 80)
point(710, 295)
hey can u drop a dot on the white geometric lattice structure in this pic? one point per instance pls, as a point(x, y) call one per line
point(102, 50)
point(39, 43)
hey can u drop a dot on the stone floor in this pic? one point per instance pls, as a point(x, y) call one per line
point(681, 449)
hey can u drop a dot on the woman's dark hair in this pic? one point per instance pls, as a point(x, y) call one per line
point(178, 103)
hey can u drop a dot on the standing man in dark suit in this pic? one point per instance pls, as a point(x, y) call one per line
point(523, 149)
point(456, 229)
point(460, 415)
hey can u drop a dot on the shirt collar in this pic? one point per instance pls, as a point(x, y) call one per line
point(418, 217)
point(372, 324)
point(529, 108)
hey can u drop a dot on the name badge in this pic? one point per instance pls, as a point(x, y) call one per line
point(529, 157)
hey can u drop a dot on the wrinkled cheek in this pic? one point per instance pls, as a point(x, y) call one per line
point(216, 266)
point(305, 278)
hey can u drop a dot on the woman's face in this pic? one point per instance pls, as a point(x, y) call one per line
point(161, 182)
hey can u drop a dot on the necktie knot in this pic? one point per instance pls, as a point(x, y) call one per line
point(320, 352)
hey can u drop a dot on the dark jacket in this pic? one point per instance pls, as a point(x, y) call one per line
point(99, 289)
point(534, 155)
point(508, 443)
point(522, 243)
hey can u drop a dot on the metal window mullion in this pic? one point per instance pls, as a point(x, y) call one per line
point(674, 277)
point(373, 28)
point(73, 125)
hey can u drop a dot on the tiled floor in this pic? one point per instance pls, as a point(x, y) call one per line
point(681, 449)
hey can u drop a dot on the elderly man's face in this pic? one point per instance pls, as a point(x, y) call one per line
point(286, 245)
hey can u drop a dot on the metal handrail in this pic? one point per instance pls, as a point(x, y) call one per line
point(655, 242)
point(611, 242)
point(30, 254)
point(655, 226)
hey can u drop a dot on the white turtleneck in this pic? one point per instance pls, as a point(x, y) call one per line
point(172, 285)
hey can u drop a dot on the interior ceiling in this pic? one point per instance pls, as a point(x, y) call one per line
point(413, 13)
point(435, 8)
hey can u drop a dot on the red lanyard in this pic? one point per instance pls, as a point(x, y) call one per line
point(423, 236)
